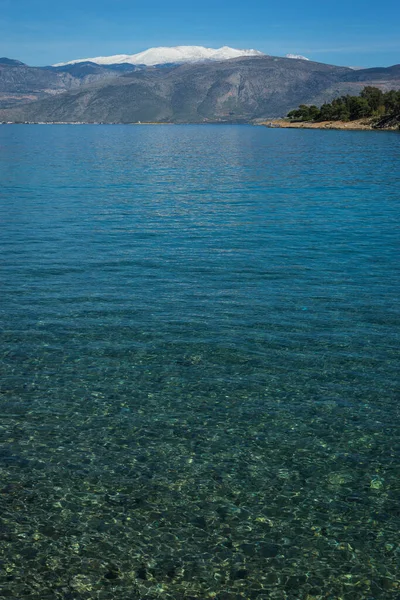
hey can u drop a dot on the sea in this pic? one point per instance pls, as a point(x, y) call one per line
point(200, 363)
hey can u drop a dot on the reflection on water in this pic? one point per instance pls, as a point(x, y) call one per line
point(199, 361)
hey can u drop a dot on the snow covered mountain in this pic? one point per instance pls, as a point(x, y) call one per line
point(298, 56)
point(164, 55)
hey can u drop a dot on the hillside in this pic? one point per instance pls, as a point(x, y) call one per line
point(21, 84)
point(237, 90)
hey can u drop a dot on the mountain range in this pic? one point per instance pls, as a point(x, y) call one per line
point(195, 89)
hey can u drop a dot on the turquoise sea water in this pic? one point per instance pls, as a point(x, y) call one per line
point(199, 357)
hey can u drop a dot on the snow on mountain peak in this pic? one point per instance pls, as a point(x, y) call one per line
point(297, 56)
point(164, 55)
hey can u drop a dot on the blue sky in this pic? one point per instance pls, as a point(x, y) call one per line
point(351, 32)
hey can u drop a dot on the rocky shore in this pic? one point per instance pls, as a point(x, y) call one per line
point(361, 124)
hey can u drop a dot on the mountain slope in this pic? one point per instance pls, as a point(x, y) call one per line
point(378, 74)
point(237, 90)
point(20, 84)
point(11, 62)
point(168, 55)
point(385, 78)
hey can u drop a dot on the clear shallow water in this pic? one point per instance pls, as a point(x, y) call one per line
point(199, 356)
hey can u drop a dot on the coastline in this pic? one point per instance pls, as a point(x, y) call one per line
point(359, 125)
point(75, 123)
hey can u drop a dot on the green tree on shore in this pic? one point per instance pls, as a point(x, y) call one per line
point(371, 102)
point(374, 97)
